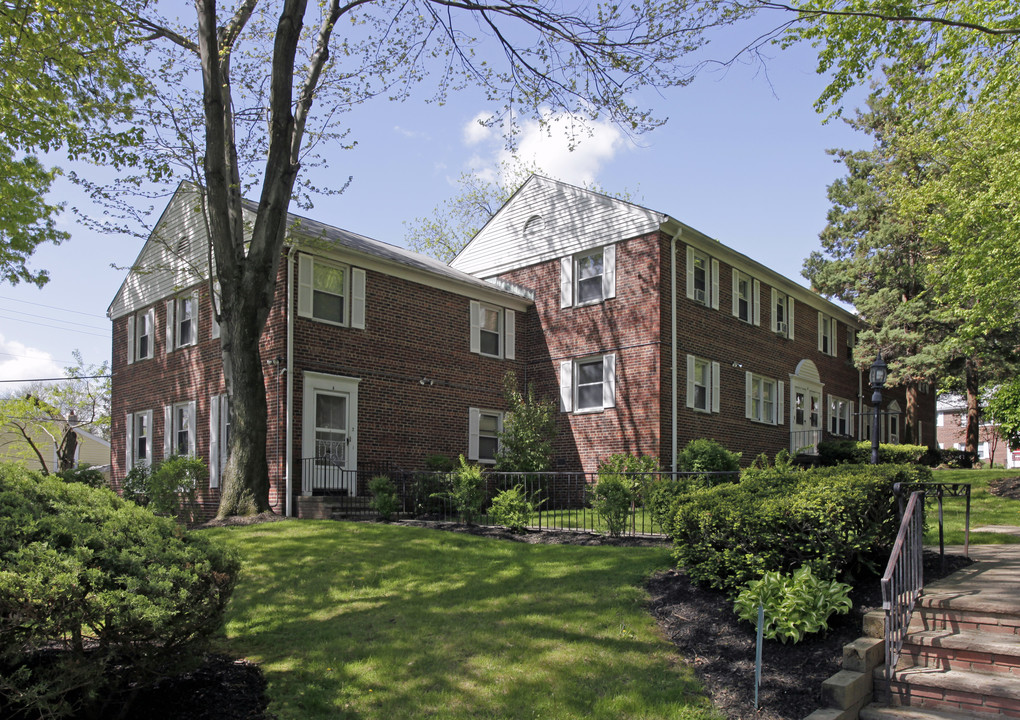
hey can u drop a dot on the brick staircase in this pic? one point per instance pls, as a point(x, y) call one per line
point(960, 660)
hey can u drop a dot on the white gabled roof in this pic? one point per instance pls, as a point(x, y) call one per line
point(561, 219)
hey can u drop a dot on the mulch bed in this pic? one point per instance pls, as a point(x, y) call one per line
point(1006, 487)
point(700, 623)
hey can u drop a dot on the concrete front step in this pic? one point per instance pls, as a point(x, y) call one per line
point(876, 711)
point(969, 650)
point(952, 690)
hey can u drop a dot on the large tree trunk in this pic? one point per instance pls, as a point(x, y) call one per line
point(912, 421)
point(973, 419)
point(68, 446)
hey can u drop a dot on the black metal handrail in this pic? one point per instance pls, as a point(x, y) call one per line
point(903, 579)
point(939, 491)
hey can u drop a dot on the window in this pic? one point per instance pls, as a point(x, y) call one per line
point(940, 420)
point(892, 424)
point(182, 321)
point(179, 429)
point(588, 384)
point(140, 335)
point(330, 292)
point(492, 330)
point(219, 437)
point(702, 384)
point(702, 278)
point(826, 334)
point(484, 427)
point(746, 293)
point(588, 278)
point(139, 439)
point(851, 343)
point(763, 399)
point(782, 314)
point(841, 413)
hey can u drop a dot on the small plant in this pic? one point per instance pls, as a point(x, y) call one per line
point(512, 508)
point(467, 490)
point(610, 499)
point(169, 487)
point(707, 456)
point(795, 605)
point(384, 496)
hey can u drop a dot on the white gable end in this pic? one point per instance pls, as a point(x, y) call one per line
point(546, 220)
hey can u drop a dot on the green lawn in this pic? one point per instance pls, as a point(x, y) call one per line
point(985, 509)
point(368, 621)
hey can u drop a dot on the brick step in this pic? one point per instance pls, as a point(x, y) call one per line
point(952, 690)
point(884, 712)
point(951, 609)
point(969, 650)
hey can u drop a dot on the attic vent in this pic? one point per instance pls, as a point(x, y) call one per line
point(534, 227)
point(183, 246)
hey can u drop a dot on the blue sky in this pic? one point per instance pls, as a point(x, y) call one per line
point(742, 158)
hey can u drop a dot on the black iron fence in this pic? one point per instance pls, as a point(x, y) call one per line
point(562, 500)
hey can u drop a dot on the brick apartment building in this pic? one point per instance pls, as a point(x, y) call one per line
point(951, 434)
point(649, 333)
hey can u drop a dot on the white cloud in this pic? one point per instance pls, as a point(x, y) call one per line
point(477, 132)
point(20, 362)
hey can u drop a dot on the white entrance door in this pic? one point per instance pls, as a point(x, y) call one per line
point(329, 447)
point(805, 418)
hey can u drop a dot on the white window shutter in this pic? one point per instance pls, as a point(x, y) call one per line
point(690, 381)
point(609, 272)
point(170, 330)
point(475, 310)
point(510, 341)
point(780, 397)
point(194, 317)
point(473, 421)
point(690, 272)
point(822, 322)
point(129, 450)
point(789, 316)
point(715, 284)
point(151, 324)
point(566, 386)
point(214, 441)
point(358, 298)
point(735, 288)
point(214, 313)
point(609, 380)
point(851, 425)
point(772, 313)
point(192, 429)
point(566, 282)
point(747, 394)
point(827, 415)
point(168, 429)
point(304, 303)
point(756, 301)
point(131, 339)
point(715, 387)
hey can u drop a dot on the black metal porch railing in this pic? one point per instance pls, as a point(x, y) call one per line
point(562, 500)
point(939, 491)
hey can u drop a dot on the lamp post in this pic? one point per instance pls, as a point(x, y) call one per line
point(876, 376)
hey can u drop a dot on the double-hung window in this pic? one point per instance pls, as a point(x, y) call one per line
point(182, 321)
point(763, 398)
point(702, 384)
point(702, 278)
point(588, 277)
point(826, 334)
point(139, 439)
point(331, 292)
point(179, 429)
point(746, 294)
point(782, 314)
point(851, 343)
point(841, 413)
point(484, 428)
point(140, 335)
point(493, 330)
point(588, 384)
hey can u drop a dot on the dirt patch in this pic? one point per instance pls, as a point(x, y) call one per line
point(1006, 488)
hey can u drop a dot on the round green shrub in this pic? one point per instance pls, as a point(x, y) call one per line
point(512, 508)
point(90, 584)
point(384, 496)
point(610, 499)
point(707, 456)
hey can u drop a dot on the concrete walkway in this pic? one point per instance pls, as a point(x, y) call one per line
point(992, 583)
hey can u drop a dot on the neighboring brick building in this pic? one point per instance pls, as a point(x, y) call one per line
point(383, 357)
point(951, 431)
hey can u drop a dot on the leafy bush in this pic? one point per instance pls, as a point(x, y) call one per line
point(836, 520)
point(837, 452)
point(610, 499)
point(168, 488)
point(467, 490)
point(948, 457)
point(664, 496)
point(525, 443)
point(428, 494)
point(439, 463)
point(512, 508)
point(384, 496)
point(85, 474)
point(795, 605)
point(91, 583)
point(706, 456)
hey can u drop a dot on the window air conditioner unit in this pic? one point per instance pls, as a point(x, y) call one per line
point(781, 328)
point(699, 295)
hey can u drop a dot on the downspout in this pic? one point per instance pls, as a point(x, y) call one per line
point(672, 319)
point(288, 452)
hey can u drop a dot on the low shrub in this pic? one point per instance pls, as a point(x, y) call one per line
point(85, 474)
point(836, 520)
point(467, 490)
point(384, 496)
point(169, 487)
point(512, 508)
point(795, 605)
point(663, 497)
point(428, 494)
point(439, 463)
point(838, 452)
point(707, 456)
point(611, 498)
point(91, 584)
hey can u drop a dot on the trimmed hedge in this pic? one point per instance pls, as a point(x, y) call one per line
point(838, 452)
point(92, 585)
point(837, 521)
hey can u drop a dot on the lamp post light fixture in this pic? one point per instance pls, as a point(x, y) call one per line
point(876, 376)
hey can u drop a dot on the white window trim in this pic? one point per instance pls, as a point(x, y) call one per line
point(713, 388)
point(171, 428)
point(850, 426)
point(129, 459)
point(754, 301)
point(136, 323)
point(778, 394)
point(827, 327)
point(776, 296)
point(507, 330)
point(711, 298)
point(354, 291)
point(568, 272)
point(173, 338)
point(474, 423)
point(568, 383)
